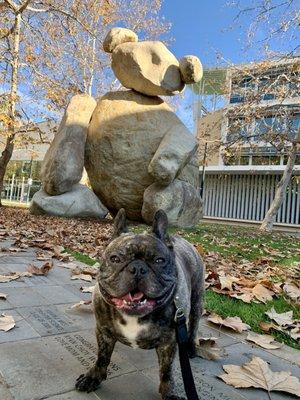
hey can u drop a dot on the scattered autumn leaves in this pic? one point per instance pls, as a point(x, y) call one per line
point(246, 284)
point(258, 374)
point(249, 281)
point(54, 234)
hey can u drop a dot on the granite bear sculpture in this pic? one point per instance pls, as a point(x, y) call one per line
point(137, 153)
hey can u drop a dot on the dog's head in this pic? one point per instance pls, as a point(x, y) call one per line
point(138, 272)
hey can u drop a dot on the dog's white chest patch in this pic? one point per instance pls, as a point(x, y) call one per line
point(131, 330)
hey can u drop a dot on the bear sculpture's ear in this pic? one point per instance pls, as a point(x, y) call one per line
point(118, 36)
point(191, 69)
point(120, 223)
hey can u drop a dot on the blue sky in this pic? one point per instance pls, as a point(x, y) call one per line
point(202, 28)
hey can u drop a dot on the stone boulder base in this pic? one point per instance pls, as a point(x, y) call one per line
point(80, 202)
point(147, 67)
point(64, 160)
point(125, 132)
point(179, 200)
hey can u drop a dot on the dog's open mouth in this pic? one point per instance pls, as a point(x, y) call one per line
point(134, 301)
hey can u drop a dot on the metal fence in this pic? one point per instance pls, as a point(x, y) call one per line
point(248, 197)
point(19, 190)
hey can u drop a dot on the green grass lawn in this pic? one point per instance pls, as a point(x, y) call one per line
point(240, 243)
point(252, 314)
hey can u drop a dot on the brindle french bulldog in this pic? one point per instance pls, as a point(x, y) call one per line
point(134, 298)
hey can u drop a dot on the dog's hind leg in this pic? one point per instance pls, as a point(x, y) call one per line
point(195, 313)
point(93, 378)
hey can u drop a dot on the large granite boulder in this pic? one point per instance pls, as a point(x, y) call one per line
point(180, 201)
point(124, 136)
point(147, 67)
point(64, 160)
point(79, 202)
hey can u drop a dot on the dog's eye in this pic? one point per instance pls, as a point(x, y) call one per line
point(115, 259)
point(159, 260)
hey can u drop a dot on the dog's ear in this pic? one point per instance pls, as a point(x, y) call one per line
point(120, 223)
point(160, 226)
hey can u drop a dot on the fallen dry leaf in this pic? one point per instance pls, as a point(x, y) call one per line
point(282, 319)
point(68, 265)
point(43, 270)
point(83, 277)
point(257, 374)
point(268, 326)
point(234, 323)
point(295, 332)
point(226, 281)
point(208, 350)
point(245, 297)
point(86, 271)
point(262, 293)
point(81, 303)
point(292, 291)
point(3, 296)
point(87, 289)
point(7, 322)
point(264, 341)
point(13, 276)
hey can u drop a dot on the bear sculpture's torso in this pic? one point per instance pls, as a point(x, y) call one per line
point(125, 131)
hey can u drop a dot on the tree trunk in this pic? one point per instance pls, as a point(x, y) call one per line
point(267, 224)
point(9, 145)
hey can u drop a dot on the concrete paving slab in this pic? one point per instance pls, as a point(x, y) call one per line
point(141, 359)
point(223, 339)
point(48, 320)
point(75, 289)
point(74, 395)
point(5, 304)
point(24, 296)
point(82, 317)
point(48, 366)
point(4, 390)
point(21, 331)
point(129, 387)
point(60, 276)
point(56, 294)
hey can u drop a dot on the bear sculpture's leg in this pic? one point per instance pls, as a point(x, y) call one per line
point(180, 201)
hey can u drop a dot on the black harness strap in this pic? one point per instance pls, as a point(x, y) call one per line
point(183, 342)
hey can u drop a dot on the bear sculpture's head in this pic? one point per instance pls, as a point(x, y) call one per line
point(149, 67)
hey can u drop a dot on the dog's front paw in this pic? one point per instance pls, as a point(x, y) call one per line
point(87, 383)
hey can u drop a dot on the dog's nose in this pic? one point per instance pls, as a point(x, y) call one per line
point(137, 268)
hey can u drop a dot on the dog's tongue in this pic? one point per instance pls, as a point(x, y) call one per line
point(135, 297)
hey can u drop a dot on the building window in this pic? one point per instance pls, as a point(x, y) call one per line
point(268, 96)
point(294, 126)
point(236, 98)
point(237, 130)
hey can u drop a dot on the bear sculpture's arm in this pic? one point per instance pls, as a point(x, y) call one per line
point(63, 163)
point(174, 152)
